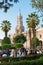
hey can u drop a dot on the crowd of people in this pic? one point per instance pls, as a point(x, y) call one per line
point(13, 52)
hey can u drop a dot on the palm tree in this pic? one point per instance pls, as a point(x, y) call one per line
point(6, 26)
point(32, 22)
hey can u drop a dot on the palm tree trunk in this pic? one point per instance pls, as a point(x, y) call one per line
point(5, 33)
point(30, 37)
point(34, 32)
point(33, 28)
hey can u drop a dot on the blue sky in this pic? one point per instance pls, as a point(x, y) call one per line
point(11, 15)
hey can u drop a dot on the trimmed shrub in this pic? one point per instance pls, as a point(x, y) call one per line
point(5, 46)
point(6, 40)
point(18, 45)
point(20, 39)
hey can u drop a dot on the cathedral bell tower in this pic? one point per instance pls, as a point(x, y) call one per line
point(19, 27)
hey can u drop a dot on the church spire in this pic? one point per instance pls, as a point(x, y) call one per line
point(19, 14)
point(19, 27)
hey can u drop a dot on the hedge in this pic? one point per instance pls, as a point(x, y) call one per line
point(26, 62)
point(13, 59)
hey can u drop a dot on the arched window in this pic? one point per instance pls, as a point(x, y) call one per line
point(40, 36)
point(41, 44)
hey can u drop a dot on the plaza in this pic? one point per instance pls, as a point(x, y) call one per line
point(21, 32)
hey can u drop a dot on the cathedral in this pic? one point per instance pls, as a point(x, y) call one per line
point(21, 30)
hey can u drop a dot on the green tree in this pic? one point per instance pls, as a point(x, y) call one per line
point(6, 40)
point(32, 22)
point(6, 46)
point(35, 42)
point(38, 4)
point(20, 39)
point(18, 45)
point(6, 43)
point(6, 4)
point(6, 26)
